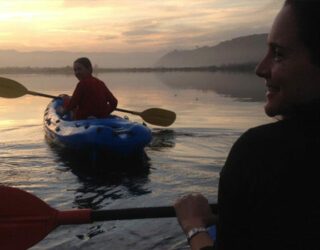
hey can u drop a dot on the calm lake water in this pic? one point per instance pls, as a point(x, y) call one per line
point(213, 109)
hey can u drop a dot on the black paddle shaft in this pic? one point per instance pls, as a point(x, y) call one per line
point(138, 213)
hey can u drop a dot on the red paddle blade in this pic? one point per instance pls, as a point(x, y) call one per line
point(24, 219)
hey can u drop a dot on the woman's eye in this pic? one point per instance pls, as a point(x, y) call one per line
point(277, 55)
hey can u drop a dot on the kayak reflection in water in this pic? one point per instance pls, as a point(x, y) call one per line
point(91, 97)
point(268, 195)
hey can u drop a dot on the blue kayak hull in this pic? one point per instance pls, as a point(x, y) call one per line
point(110, 136)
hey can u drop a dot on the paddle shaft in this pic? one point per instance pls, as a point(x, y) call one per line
point(81, 216)
point(117, 109)
point(156, 116)
point(36, 208)
point(138, 213)
point(41, 94)
point(152, 118)
point(51, 96)
point(128, 111)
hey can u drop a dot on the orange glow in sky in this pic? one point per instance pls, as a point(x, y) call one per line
point(129, 25)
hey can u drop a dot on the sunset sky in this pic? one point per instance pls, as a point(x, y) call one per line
point(129, 25)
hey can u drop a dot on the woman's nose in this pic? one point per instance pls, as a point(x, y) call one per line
point(263, 68)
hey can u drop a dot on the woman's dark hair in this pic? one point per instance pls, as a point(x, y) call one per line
point(308, 17)
point(85, 62)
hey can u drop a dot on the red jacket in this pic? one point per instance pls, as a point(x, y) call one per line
point(91, 98)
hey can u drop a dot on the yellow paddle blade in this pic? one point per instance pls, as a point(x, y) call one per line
point(157, 116)
point(11, 89)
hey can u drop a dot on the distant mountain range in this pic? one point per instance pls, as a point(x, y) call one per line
point(239, 50)
point(13, 58)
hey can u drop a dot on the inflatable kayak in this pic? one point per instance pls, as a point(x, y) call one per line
point(110, 136)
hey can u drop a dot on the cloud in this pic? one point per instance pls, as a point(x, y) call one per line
point(83, 3)
point(143, 30)
point(107, 37)
point(127, 24)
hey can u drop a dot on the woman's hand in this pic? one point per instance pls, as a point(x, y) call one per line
point(60, 110)
point(192, 211)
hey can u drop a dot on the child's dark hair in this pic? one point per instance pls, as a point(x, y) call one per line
point(85, 62)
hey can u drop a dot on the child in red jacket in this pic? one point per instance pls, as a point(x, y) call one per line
point(91, 97)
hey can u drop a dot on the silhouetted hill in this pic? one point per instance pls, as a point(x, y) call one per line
point(236, 51)
point(241, 50)
point(13, 58)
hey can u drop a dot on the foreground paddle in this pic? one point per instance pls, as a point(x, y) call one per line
point(156, 116)
point(26, 219)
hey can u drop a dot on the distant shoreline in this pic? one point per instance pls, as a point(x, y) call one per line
point(245, 68)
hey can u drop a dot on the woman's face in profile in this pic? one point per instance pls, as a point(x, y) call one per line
point(80, 71)
point(290, 77)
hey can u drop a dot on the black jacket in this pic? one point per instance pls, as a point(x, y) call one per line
point(269, 190)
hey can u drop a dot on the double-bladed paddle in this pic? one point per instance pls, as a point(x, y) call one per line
point(156, 116)
point(25, 219)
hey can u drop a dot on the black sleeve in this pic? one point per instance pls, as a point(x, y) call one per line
point(235, 195)
point(207, 248)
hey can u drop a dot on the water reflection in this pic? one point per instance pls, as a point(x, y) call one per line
point(162, 138)
point(97, 192)
point(243, 86)
point(100, 183)
point(95, 163)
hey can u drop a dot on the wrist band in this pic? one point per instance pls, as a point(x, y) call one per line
point(212, 231)
point(194, 231)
